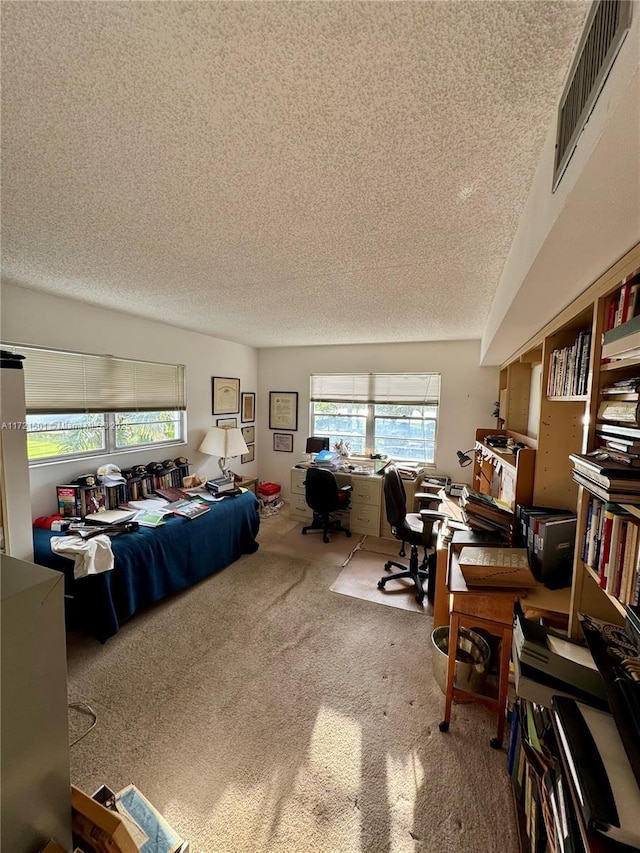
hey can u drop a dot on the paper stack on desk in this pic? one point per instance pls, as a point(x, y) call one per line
point(505, 567)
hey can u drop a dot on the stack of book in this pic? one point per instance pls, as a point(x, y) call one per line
point(221, 486)
point(618, 430)
point(483, 512)
point(607, 479)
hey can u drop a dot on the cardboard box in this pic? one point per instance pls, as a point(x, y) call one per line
point(97, 829)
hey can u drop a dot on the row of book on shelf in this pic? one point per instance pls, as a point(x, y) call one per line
point(624, 305)
point(610, 545)
point(569, 368)
point(110, 487)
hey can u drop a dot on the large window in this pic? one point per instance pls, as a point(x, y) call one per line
point(83, 405)
point(395, 414)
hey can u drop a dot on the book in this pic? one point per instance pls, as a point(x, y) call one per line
point(69, 501)
point(172, 493)
point(110, 516)
point(616, 495)
point(190, 508)
point(507, 567)
point(148, 518)
point(219, 485)
point(621, 411)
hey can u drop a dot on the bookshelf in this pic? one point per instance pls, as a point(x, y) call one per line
point(597, 340)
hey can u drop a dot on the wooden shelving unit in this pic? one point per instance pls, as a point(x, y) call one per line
point(565, 424)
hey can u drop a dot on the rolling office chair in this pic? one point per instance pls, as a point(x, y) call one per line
point(324, 497)
point(414, 528)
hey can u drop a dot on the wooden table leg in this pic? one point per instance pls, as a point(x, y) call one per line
point(451, 669)
point(503, 684)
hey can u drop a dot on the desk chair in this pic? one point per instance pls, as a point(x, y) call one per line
point(324, 497)
point(414, 528)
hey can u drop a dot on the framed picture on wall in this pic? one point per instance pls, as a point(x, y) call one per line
point(283, 410)
point(225, 395)
point(248, 407)
point(249, 434)
point(250, 455)
point(225, 423)
point(283, 441)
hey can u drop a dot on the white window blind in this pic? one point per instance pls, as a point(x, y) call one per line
point(418, 389)
point(59, 382)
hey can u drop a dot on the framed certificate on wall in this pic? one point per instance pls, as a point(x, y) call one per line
point(283, 410)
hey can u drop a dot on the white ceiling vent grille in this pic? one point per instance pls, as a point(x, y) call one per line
point(604, 32)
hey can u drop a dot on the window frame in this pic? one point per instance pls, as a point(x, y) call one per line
point(370, 418)
point(121, 385)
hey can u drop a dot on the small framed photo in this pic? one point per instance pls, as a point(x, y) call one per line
point(283, 441)
point(283, 410)
point(248, 407)
point(226, 423)
point(249, 434)
point(225, 395)
point(250, 455)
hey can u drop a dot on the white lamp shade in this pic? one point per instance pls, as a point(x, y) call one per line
point(223, 442)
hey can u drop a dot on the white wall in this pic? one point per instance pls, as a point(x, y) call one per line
point(467, 394)
point(30, 317)
point(567, 239)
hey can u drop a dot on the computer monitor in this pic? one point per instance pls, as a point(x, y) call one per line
point(316, 443)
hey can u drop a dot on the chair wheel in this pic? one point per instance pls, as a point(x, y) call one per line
point(348, 532)
point(495, 743)
point(444, 726)
point(304, 532)
point(420, 599)
point(380, 584)
point(325, 538)
point(387, 567)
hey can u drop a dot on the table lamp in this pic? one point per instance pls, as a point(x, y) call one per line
point(225, 444)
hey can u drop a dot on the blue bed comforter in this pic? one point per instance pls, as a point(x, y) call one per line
point(152, 563)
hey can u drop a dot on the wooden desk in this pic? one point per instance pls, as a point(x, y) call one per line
point(490, 608)
point(250, 483)
point(451, 507)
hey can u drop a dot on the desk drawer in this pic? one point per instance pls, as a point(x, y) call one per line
point(298, 476)
point(365, 518)
point(298, 509)
point(365, 490)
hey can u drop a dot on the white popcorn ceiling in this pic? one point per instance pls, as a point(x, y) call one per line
point(277, 173)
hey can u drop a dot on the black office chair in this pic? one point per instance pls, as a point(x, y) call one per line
point(324, 497)
point(417, 529)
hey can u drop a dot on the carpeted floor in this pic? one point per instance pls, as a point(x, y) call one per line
point(261, 712)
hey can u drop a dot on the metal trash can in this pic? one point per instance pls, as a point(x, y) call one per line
point(472, 659)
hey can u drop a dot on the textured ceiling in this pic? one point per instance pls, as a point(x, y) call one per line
point(277, 173)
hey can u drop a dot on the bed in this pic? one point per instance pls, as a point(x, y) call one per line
point(153, 563)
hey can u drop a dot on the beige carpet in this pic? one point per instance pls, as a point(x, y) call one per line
point(359, 578)
point(335, 552)
point(263, 714)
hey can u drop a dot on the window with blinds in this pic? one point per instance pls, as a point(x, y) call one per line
point(389, 413)
point(81, 405)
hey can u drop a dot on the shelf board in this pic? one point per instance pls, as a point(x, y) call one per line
point(594, 577)
point(576, 398)
point(620, 364)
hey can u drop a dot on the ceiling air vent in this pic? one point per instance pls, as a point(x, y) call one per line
point(604, 32)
